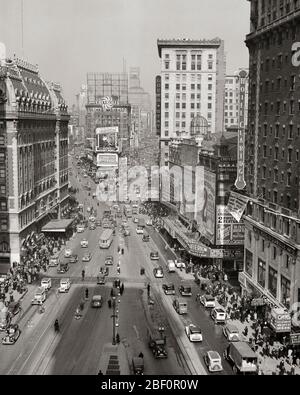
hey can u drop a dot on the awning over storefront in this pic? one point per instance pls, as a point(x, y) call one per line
point(57, 226)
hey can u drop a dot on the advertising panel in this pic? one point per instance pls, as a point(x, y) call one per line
point(106, 138)
point(236, 205)
point(229, 231)
point(206, 204)
point(108, 160)
point(240, 180)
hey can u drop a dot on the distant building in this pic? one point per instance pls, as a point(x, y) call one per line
point(33, 155)
point(191, 84)
point(236, 100)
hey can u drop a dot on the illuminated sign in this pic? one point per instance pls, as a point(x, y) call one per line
point(107, 160)
point(106, 139)
point(240, 180)
point(229, 231)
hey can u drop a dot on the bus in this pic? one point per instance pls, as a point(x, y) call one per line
point(135, 209)
point(128, 211)
point(106, 238)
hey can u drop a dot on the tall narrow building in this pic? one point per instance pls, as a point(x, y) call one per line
point(272, 220)
point(192, 84)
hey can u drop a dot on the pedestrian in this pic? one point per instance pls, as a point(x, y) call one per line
point(109, 303)
point(112, 293)
point(148, 289)
point(118, 338)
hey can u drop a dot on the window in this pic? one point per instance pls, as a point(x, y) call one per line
point(3, 206)
point(290, 135)
point(273, 281)
point(209, 87)
point(2, 173)
point(290, 153)
point(261, 273)
point(249, 262)
point(192, 86)
point(166, 115)
point(166, 86)
point(3, 224)
point(262, 245)
point(274, 252)
point(177, 87)
point(293, 82)
point(199, 61)
point(285, 291)
point(292, 107)
point(166, 105)
point(167, 65)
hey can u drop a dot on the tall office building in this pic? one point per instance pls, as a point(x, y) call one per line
point(272, 220)
point(236, 100)
point(192, 84)
point(33, 155)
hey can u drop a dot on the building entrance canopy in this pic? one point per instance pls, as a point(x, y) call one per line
point(58, 226)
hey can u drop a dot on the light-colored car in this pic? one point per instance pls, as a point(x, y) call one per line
point(54, 260)
point(179, 265)
point(84, 243)
point(87, 257)
point(68, 252)
point(46, 283)
point(232, 333)
point(218, 314)
point(64, 285)
point(96, 301)
point(213, 361)
point(80, 228)
point(158, 272)
point(109, 260)
point(208, 301)
point(149, 222)
point(40, 296)
point(92, 218)
point(194, 333)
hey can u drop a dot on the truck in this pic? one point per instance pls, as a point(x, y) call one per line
point(157, 342)
point(242, 358)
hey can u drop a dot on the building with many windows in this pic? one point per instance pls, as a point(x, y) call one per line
point(272, 220)
point(191, 84)
point(236, 100)
point(33, 155)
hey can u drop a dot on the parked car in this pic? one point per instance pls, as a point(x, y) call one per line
point(104, 271)
point(109, 260)
point(63, 268)
point(185, 290)
point(169, 289)
point(194, 333)
point(14, 308)
point(218, 314)
point(46, 283)
point(158, 272)
point(84, 243)
point(180, 305)
point(213, 361)
point(96, 301)
point(87, 257)
point(208, 301)
point(13, 334)
point(64, 285)
point(68, 252)
point(73, 258)
point(231, 332)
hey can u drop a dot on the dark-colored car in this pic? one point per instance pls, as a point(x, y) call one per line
point(109, 260)
point(98, 222)
point(103, 271)
point(73, 258)
point(154, 256)
point(101, 280)
point(185, 291)
point(14, 308)
point(169, 289)
point(146, 238)
point(63, 268)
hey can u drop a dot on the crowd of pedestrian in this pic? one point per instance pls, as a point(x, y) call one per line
point(155, 211)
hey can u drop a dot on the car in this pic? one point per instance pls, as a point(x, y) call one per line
point(149, 222)
point(68, 253)
point(194, 333)
point(213, 361)
point(158, 272)
point(96, 301)
point(54, 260)
point(104, 271)
point(80, 228)
point(94, 194)
point(109, 260)
point(101, 280)
point(13, 334)
point(232, 333)
point(218, 314)
point(154, 256)
point(87, 257)
point(63, 268)
point(146, 237)
point(169, 289)
point(92, 218)
point(185, 290)
point(180, 265)
point(39, 296)
point(84, 243)
point(98, 222)
point(46, 283)
point(208, 301)
point(92, 226)
point(64, 285)
point(135, 220)
point(14, 308)
point(73, 258)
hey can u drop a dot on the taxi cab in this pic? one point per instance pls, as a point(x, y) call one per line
point(213, 361)
point(231, 332)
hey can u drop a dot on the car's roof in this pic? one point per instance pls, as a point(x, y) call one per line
point(64, 280)
point(232, 328)
point(209, 297)
point(219, 310)
point(97, 297)
point(194, 328)
point(46, 279)
point(213, 354)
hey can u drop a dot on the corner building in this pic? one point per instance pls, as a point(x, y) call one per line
point(272, 237)
point(33, 156)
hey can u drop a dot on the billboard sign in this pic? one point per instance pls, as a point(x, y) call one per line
point(236, 205)
point(240, 182)
point(206, 206)
point(229, 231)
point(108, 160)
point(106, 139)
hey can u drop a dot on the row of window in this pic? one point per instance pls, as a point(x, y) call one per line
point(196, 62)
point(183, 97)
point(290, 155)
point(278, 11)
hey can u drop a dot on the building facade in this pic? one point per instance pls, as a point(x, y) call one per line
point(236, 100)
point(192, 83)
point(272, 238)
point(34, 155)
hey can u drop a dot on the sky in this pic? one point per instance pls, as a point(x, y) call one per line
point(68, 38)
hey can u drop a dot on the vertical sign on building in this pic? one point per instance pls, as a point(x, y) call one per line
point(158, 104)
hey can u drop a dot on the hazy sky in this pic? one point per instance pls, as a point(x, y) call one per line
point(68, 38)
